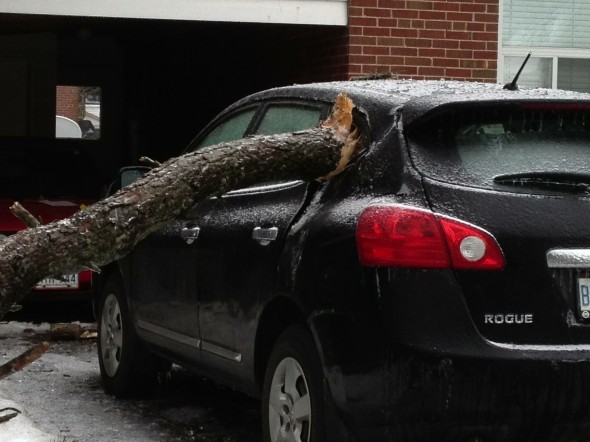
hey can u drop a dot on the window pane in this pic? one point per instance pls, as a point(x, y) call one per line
point(229, 130)
point(536, 73)
point(546, 23)
point(284, 118)
point(573, 74)
point(77, 113)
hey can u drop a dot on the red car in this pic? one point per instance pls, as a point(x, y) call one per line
point(51, 184)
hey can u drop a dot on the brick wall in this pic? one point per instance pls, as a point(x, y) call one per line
point(68, 102)
point(424, 39)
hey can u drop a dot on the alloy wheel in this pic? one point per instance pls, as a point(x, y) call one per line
point(111, 335)
point(289, 408)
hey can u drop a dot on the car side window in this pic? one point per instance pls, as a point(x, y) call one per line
point(285, 118)
point(232, 129)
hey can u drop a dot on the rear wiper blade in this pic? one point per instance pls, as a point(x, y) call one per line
point(556, 181)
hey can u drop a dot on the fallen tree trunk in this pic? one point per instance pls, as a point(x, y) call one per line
point(112, 227)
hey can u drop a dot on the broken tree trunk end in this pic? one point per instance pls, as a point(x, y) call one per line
point(112, 227)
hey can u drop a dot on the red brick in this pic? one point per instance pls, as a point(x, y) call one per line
point(473, 7)
point(446, 62)
point(362, 40)
point(458, 73)
point(438, 24)
point(376, 50)
point(377, 12)
point(405, 13)
point(492, 27)
point(485, 55)
point(417, 4)
point(390, 41)
point(388, 23)
point(390, 60)
point(364, 3)
point(433, 15)
point(445, 6)
point(405, 70)
point(485, 36)
point(492, 46)
point(418, 42)
point(362, 21)
point(431, 33)
point(432, 53)
point(363, 59)
point(480, 27)
point(355, 49)
point(486, 18)
point(485, 73)
point(493, 9)
point(392, 4)
point(375, 31)
point(468, 44)
point(417, 61)
point(446, 44)
point(459, 54)
point(408, 52)
point(355, 11)
point(473, 64)
point(457, 35)
point(431, 71)
point(459, 16)
point(355, 30)
point(404, 33)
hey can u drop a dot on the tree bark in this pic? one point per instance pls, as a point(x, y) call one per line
point(112, 227)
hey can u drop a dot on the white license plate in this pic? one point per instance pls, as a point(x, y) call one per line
point(584, 296)
point(65, 282)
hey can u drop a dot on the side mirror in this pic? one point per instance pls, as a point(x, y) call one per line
point(128, 175)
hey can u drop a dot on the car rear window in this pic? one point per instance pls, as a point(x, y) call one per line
point(480, 143)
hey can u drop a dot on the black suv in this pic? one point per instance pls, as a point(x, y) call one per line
point(437, 289)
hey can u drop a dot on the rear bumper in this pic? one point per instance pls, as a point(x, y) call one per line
point(414, 397)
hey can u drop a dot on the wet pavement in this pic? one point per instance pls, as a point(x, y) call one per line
point(61, 395)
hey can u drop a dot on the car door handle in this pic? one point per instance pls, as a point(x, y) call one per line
point(264, 235)
point(189, 234)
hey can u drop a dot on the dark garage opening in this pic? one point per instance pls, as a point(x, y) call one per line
point(160, 81)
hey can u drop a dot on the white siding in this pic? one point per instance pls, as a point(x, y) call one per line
point(317, 12)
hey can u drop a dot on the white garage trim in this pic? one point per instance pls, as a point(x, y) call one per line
point(313, 12)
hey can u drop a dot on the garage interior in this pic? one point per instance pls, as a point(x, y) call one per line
point(161, 81)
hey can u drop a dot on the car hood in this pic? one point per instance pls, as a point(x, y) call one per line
point(43, 209)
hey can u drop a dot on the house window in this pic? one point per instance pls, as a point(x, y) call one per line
point(558, 37)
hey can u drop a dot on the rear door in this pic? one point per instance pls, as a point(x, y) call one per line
point(521, 171)
point(164, 273)
point(241, 237)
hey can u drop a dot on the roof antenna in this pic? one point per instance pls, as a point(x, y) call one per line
point(512, 86)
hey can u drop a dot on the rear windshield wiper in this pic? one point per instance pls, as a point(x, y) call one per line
point(554, 181)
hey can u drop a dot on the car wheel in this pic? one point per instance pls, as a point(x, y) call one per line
point(293, 397)
point(126, 367)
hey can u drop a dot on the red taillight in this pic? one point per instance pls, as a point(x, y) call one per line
point(399, 236)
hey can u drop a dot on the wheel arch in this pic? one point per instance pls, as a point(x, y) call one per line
point(277, 316)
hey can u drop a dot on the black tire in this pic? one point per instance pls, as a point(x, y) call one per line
point(126, 367)
point(294, 405)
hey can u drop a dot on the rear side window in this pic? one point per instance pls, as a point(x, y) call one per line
point(232, 129)
point(288, 118)
point(480, 144)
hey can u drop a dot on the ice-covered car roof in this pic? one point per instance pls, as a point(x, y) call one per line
point(417, 97)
